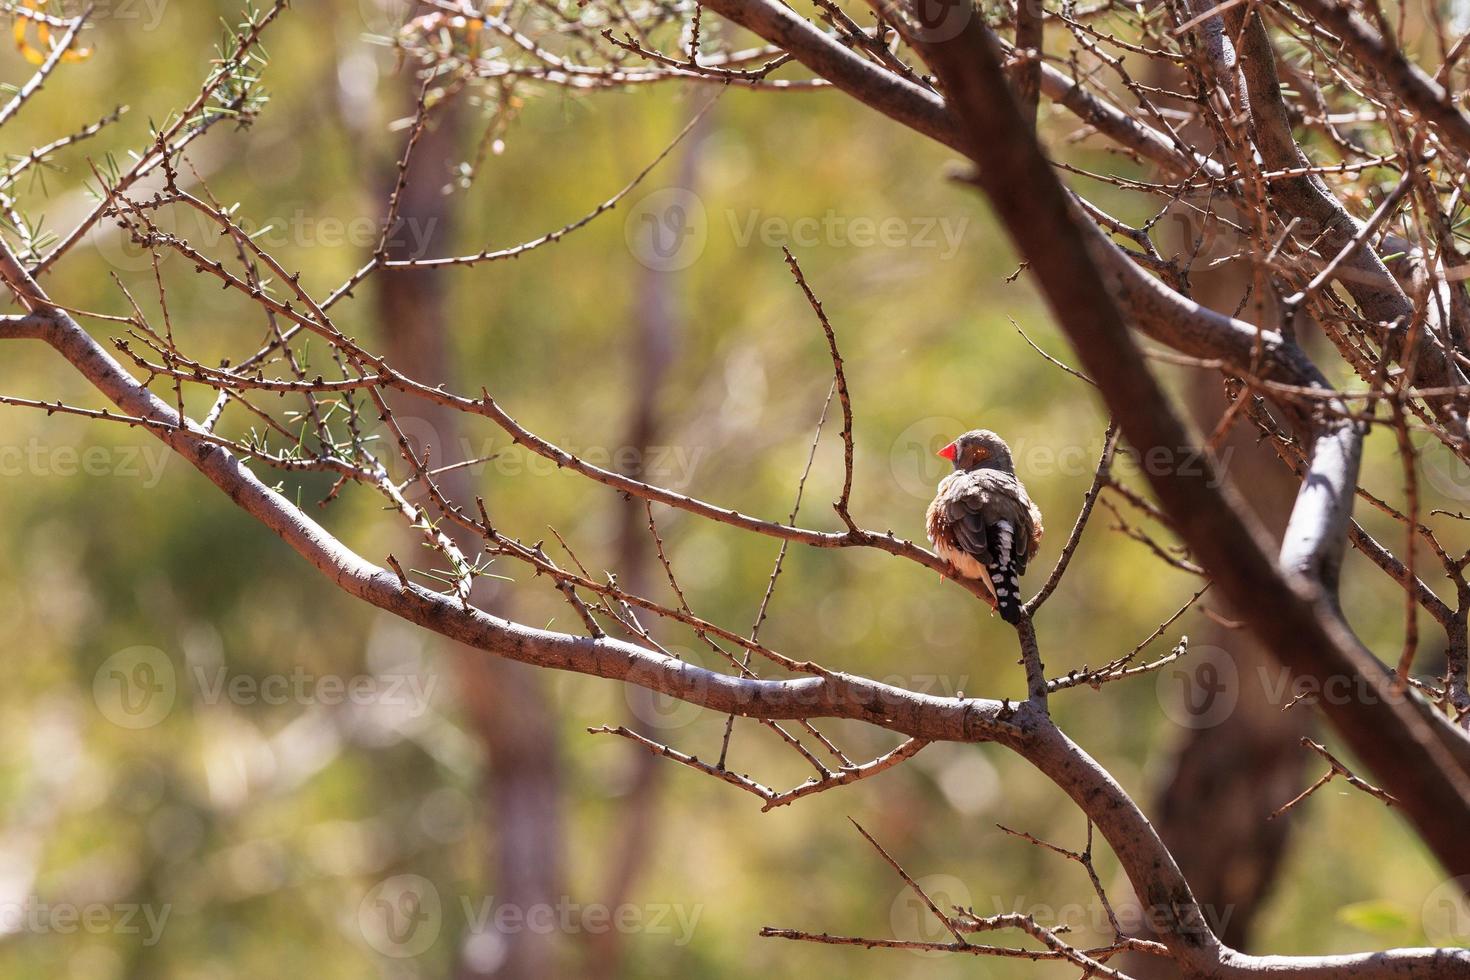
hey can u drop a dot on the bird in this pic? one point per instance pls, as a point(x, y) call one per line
point(982, 521)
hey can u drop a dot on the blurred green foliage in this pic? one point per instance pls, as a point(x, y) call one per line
point(261, 827)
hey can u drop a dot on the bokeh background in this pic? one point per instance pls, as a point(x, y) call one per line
point(239, 815)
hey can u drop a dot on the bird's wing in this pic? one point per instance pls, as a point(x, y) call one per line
point(967, 523)
point(985, 498)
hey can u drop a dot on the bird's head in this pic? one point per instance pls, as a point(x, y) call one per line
point(979, 449)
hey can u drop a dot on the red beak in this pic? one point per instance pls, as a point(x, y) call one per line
point(947, 452)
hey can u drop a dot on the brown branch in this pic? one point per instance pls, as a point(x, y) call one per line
point(840, 379)
point(1292, 616)
point(831, 779)
point(1083, 274)
point(1336, 769)
point(1089, 501)
point(973, 949)
point(1084, 858)
point(910, 882)
point(1030, 28)
point(1420, 92)
point(828, 694)
point(1118, 669)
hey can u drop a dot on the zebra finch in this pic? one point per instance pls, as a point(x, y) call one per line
point(982, 521)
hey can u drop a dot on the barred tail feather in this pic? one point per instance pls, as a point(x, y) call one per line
point(1007, 593)
point(1003, 574)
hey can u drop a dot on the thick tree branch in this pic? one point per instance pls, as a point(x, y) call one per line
point(1292, 615)
point(1094, 288)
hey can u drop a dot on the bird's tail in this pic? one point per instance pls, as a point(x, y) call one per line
point(1003, 574)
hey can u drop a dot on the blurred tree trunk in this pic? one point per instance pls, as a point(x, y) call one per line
point(1224, 781)
point(505, 701)
point(657, 322)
